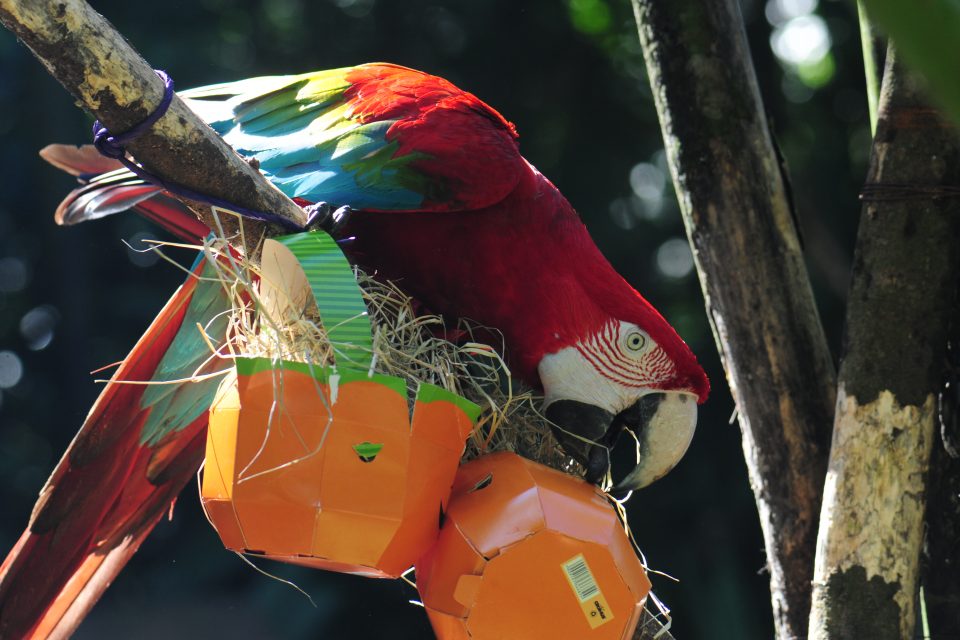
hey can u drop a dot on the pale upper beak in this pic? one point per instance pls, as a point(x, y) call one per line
point(663, 424)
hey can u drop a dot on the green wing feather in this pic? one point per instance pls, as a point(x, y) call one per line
point(309, 142)
point(376, 137)
point(175, 406)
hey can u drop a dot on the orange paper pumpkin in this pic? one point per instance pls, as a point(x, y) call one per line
point(527, 552)
point(326, 466)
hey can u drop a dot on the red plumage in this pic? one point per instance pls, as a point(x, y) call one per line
point(525, 259)
point(469, 148)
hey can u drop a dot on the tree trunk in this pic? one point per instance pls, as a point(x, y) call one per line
point(759, 300)
point(904, 281)
point(111, 80)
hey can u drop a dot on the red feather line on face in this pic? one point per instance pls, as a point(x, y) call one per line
point(621, 301)
point(603, 351)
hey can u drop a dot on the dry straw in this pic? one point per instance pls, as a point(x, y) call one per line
point(407, 344)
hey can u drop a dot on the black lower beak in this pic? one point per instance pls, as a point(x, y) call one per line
point(662, 425)
point(582, 430)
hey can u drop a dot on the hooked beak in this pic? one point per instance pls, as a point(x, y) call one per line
point(662, 423)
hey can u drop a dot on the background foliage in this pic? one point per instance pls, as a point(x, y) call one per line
point(570, 75)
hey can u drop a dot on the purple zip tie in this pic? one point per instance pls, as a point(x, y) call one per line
point(112, 146)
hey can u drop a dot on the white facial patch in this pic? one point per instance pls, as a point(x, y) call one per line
point(567, 375)
point(610, 369)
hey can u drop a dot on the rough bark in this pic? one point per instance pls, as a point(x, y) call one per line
point(904, 280)
point(112, 81)
point(759, 300)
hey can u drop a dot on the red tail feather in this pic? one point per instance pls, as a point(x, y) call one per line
point(105, 495)
point(109, 189)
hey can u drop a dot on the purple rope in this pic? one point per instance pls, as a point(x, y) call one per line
point(112, 146)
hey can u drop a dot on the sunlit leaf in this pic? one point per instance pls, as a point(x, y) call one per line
point(928, 35)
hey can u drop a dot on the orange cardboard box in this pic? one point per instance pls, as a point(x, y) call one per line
point(527, 552)
point(322, 466)
point(334, 474)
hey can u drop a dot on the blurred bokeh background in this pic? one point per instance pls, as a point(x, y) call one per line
point(570, 75)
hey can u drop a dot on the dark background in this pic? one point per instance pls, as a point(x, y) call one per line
point(570, 75)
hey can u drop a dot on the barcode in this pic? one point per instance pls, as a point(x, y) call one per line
point(580, 577)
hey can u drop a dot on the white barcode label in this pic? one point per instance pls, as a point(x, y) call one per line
point(585, 587)
point(580, 577)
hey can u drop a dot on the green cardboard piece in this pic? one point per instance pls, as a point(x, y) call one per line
point(337, 294)
point(338, 297)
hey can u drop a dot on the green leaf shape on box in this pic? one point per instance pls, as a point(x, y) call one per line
point(368, 451)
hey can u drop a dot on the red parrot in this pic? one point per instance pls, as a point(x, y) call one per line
point(441, 202)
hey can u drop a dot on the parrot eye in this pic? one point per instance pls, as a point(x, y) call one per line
point(635, 341)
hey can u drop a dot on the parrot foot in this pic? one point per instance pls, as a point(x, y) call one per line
point(328, 217)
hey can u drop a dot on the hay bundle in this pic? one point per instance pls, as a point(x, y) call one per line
point(407, 345)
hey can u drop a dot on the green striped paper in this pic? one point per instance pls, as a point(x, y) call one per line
point(337, 294)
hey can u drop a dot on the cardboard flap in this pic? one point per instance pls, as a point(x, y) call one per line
point(485, 489)
point(443, 417)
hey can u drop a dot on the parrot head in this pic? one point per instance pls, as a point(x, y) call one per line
point(616, 369)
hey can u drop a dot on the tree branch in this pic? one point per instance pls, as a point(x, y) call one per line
point(904, 283)
point(740, 223)
point(87, 55)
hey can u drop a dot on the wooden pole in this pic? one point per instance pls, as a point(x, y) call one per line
point(740, 223)
point(905, 271)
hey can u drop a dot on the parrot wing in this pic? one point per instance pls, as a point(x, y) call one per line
point(136, 450)
point(376, 137)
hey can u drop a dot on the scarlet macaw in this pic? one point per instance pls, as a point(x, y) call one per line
point(441, 202)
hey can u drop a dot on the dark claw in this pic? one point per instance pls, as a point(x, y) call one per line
point(323, 215)
point(318, 214)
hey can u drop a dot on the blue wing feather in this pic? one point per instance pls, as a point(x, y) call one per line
point(300, 131)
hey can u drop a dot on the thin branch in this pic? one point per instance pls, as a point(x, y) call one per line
point(113, 82)
point(734, 201)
